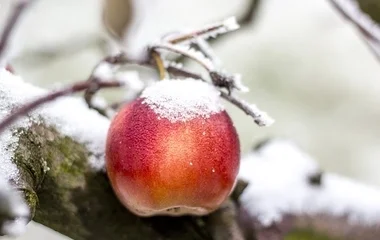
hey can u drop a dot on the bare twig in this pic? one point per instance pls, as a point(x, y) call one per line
point(251, 14)
point(103, 71)
point(184, 73)
point(89, 94)
point(187, 52)
point(246, 20)
point(210, 31)
point(205, 48)
point(11, 23)
point(370, 30)
point(258, 116)
point(100, 73)
point(77, 87)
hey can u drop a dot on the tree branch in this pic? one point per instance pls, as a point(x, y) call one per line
point(77, 87)
point(16, 13)
point(260, 118)
point(369, 29)
point(280, 199)
point(250, 15)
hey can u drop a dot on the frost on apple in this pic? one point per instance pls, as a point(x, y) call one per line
point(182, 100)
point(173, 151)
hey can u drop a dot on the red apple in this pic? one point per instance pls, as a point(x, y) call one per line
point(173, 151)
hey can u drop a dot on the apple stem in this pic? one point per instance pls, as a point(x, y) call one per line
point(159, 64)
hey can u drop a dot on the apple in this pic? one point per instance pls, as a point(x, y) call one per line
point(173, 151)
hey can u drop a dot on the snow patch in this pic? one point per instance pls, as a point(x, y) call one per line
point(238, 83)
point(182, 100)
point(103, 71)
point(15, 227)
point(278, 184)
point(12, 90)
point(262, 117)
point(14, 208)
point(69, 115)
point(230, 24)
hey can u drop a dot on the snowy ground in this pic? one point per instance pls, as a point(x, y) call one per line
point(303, 64)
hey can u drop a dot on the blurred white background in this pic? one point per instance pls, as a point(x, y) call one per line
point(304, 65)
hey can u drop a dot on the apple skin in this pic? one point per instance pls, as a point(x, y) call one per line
point(157, 167)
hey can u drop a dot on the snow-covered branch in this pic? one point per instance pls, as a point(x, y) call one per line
point(287, 191)
point(360, 14)
point(57, 151)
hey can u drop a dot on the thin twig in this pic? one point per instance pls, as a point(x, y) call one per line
point(190, 35)
point(96, 77)
point(11, 23)
point(248, 19)
point(184, 73)
point(185, 51)
point(77, 87)
point(260, 118)
point(207, 32)
point(206, 49)
point(251, 14)
point(370, 30)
